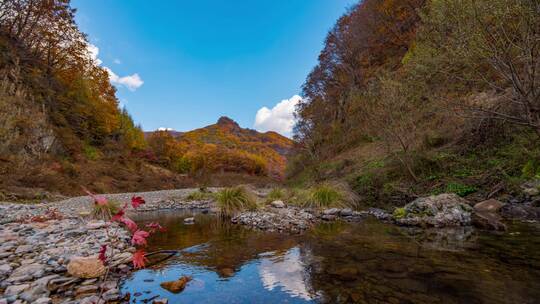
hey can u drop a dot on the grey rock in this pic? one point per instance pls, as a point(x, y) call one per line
point(33, 270)
point(43, 301)
point(331, 211)
point(24, 249)
point(189, 220)
point(5, 269)
point(161, 301)
point(328, 217)
point(438, 210)
point(277, 204)
point(346, 212)
point(488, 221)
point(490, 205)
point(15, 289)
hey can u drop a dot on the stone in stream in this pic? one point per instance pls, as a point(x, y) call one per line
point(189, 220)
point(331, 211)
point(490, 205)
point(488, 221)
point(161, 301)
point(437, 210)
point(176, 286)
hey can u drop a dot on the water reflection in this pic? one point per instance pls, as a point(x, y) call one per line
point(367, 262)
point(285, 271)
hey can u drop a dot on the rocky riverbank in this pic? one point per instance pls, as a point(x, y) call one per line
point(49, 251)
point(47, 258)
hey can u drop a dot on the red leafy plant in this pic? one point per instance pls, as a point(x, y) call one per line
point(138, 236)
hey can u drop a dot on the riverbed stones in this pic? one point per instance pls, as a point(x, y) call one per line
point(34, 256)
point(437, 211)
point(86, 267)
point(292, 220)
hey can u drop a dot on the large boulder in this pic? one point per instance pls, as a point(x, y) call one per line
point(490, 205)
point(443, 210)
point(86, 267)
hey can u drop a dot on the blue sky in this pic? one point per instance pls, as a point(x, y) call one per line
point(183, 64)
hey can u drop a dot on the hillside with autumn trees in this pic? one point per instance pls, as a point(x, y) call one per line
point(222, 147)
point(61, 126)
point(420, 97)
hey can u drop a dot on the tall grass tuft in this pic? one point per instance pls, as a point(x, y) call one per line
point(105, 211)
point(330, 195)
point(232, 200)
point(275, 194)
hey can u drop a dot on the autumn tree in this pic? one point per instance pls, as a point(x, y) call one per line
point(476, 46)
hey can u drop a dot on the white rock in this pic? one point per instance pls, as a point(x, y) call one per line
point(278, 204)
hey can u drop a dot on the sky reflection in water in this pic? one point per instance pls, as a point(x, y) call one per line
point(369, 262)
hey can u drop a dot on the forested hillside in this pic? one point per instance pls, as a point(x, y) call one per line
point(419, 97)
point(61, 127)
point(222, 147)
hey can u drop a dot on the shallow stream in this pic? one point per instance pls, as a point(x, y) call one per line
point(366, 262)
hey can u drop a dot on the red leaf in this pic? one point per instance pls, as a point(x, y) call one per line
point(136, 201)
point(139, 260)
point(139, 238)
point(102, 257)
point(118, 216)
point(129, 223)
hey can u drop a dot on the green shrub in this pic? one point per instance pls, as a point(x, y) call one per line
point(460, 189)
point(531, 169)
point(91, 153)
point(399, 213)
point(232, 200)
point(105, 211)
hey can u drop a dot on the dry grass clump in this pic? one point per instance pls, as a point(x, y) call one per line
point(235, 199)
point(105, 211)
point(276, 194)
point(327, 196)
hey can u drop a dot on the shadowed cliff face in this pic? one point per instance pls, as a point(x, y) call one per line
point(367, 262)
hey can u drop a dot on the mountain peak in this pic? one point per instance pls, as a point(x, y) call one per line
point(226, 121)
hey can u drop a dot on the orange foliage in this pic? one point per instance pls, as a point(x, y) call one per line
point(222, 147)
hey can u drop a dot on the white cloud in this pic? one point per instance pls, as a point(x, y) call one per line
point(117, 61)
point(132, 82)
point(164, 129)
point(279, 119)
point(93, 52)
